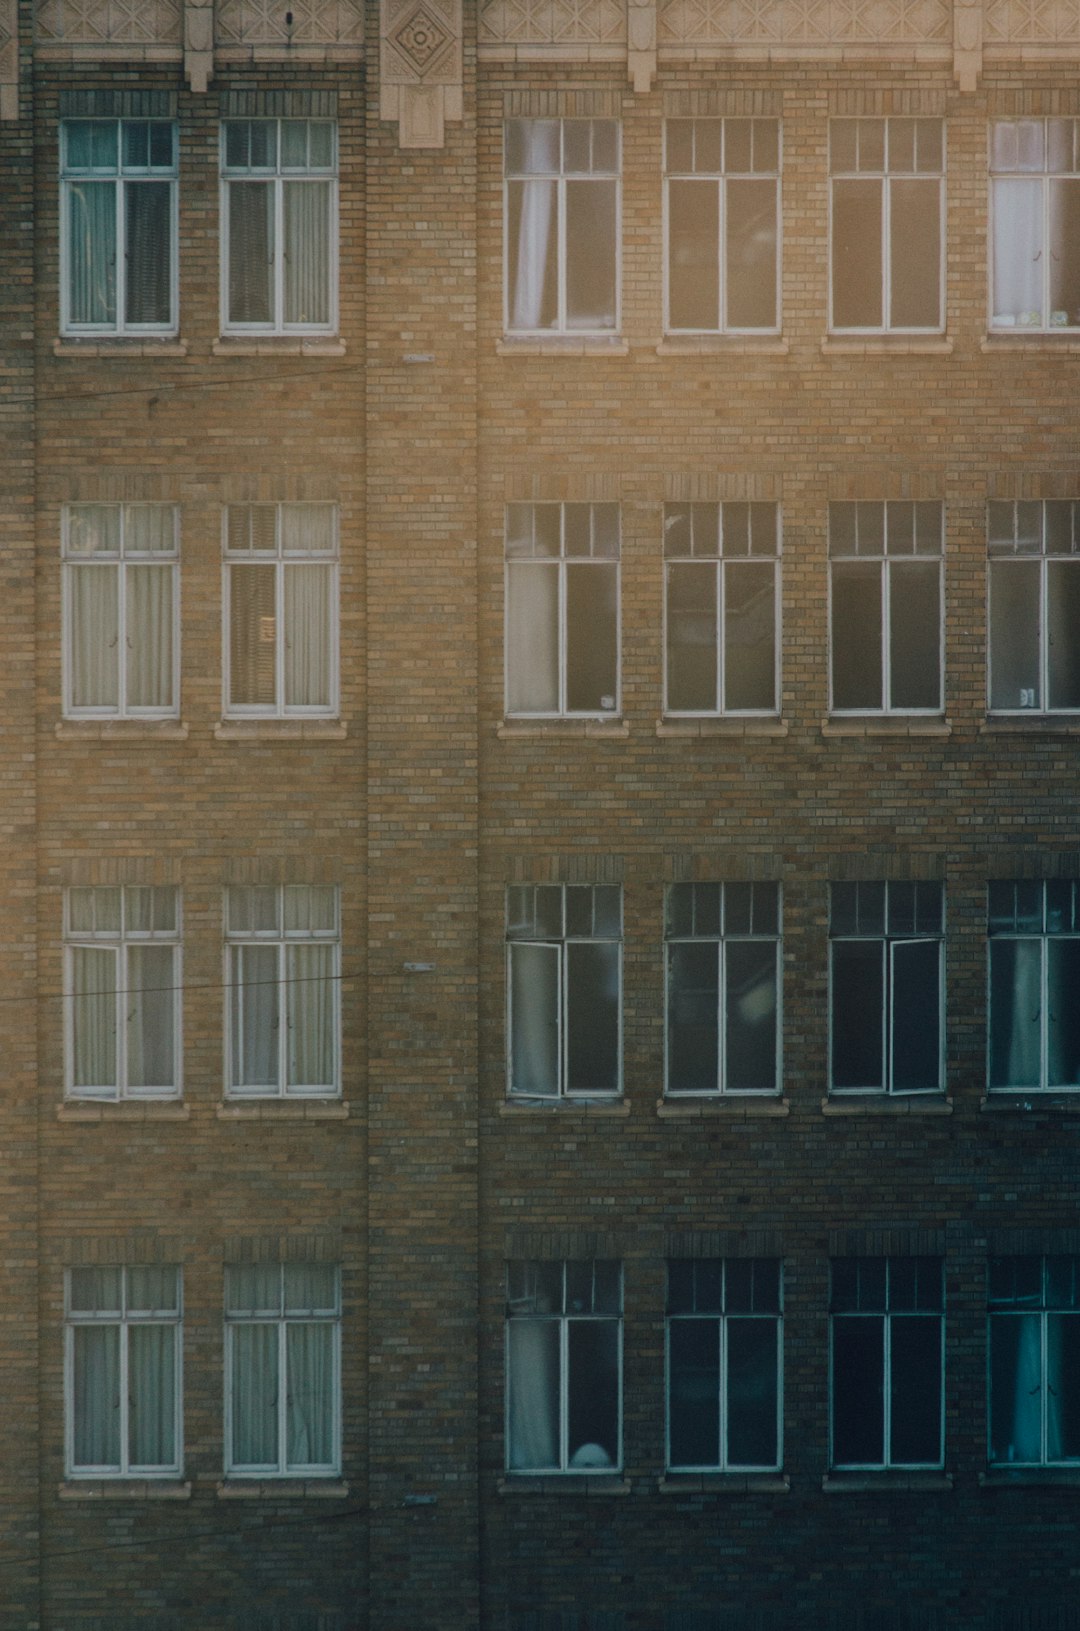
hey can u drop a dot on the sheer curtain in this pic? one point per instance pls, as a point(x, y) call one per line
point(93, 602)
point(150, 637)
point(1026, 1438)
point(306, 208)
point(93, 1018)
point(255, 1016)
point(532, 638)
point(310, 1005)
point(254, 1394)
point(92, 252)
point(1018, 250)
point(251, 237)
point(309, 1357)
point(306, 612)
point(96, 1402)
point(152, 1390)
point(534, 1019)
point(534, 1393)
point(150, 1006)
point(536, 224)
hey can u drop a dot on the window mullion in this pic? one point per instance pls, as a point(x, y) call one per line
point(721, 1013)
point(121, 267)
point(1044, 1008)
point(278, 250)
point(886, 631)
point(563, 591)
point(123, 997)
point(721, 635)
point(564, 1390)
point(1044, 625)
point(721, 257)
point(283, 1015)
point(125, 1395)
point(723, 1385)
point(563, 986)
point(279, 630)
point(886, 242)
point(283, 1396)
point(560, 220)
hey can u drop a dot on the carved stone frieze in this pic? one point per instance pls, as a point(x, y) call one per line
point(1033, 22)
point(109, 22)
point(803, 22)
point(420, 67)
point(314, 22)
point(554, 22)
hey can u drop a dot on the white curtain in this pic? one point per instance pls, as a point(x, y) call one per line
point(254, 1394)
point(96, 1402)
point(95, 632)
point(309, 1351)
point(537, 203)
point(93, 1017)
point(307, 593)
point(532, 638)
point(255, 1016)
point(150, 1006)
point(534, 1393)
point(1019, 247)
point(534, 1019)
point(1025, 1044)
point(150, 637)
point(307, 252)
point(92, 252)
point(152, 1391)
point(310, 1006)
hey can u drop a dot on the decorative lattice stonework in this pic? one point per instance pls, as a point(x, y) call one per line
point(420, 67)
point(804, 22)
point(110, 22)
point(314, 22)
point(553, 22)
point(1033, 22)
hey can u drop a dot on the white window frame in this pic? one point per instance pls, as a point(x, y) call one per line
point(236, 941)
point(564, 1318)
point(723, 1318)
point(281, 1320)
point(123, 1319)
point(706, 552)
point(1067, 908)
point(886, 175)
point(1003, 1309)
point(1028, 526)
point(1044, 320)
point(557, 945)
point(120, 942)
point(722, 177)
point(281, 558)
point(722, 937)
point(118, 564)
point(124, 177)
point(563, 327)
point(275, 176)
point(886, 1317)
point(887, 940)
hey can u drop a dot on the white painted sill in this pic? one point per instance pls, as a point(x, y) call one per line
point(98, 1110)
point(739, 1108)
point(723, 1483)
point(283, 1110)
point(121, 730)
point(282, 1489)
point(124, 1489)
point(886, 1104)
point(121, 346)
point(300, 730)
point(714, 725)
point(278, 345)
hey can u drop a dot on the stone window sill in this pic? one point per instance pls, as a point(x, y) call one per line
point(562, 345)
point(705, 345)
point(121, 730)
point(254, 730)
point(124, 1489)
point(875, 345)
point(278, 345)
point(723, 1483)
point(563, 1483)
point(1015, 1101)
point(885, 725)
point(284, 1110)
point(884, 1104)
point(736, 1109)
point(96, 1110)
point(763, 725)
point(563, 1107)
point(861, 1483)
point(1031, 724)
point(1030, 1477)
point(282, 1489)
point(121, 346)
point(614, 729)
point(1028, 339)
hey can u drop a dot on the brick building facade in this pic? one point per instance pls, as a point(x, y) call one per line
point(541, 868)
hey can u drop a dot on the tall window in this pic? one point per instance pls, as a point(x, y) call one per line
point(562, 609)
point(279, 216)
point(562, 225)
point(120, 610)
point(1035, 606)
point(1034, 930)
point(723, 1364)
point(885, 573)
point(564, 945)
point(122, 1372)
point(721, 580)
point(887, 1321)
point(723, 215)
point(1034, 1305)
point(564, 1366)
point(282, 1367)
point(887, 181)
point(723, 983)
point(118, 226)
point(122, 979)
point(281, 600)
point(283, 969)
point(886, 944)
point(1035, 223)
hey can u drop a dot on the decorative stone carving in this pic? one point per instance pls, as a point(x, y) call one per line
point(641, 43)
point(199, 43)
point(804, 22)
point(9, 59)
point(314, 22)
point(1032, 22)
point(110, 22)
point(555, 22)
point(967, 42)
point(420, 67)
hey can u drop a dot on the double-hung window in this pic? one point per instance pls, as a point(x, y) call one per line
point(118, 226)
point(721, 582)
point(887, 196)
point(722, 195)
point(1034, 942)
point(122, 1372)
point(282, 1368)
point(564, 1366)
point(887, 1327)
point(723, 1364)
point(723, 984)
point(122, 979)
point(564, 955)
point(562, 609)
point(279, 226)
point(1035, 606)
point(283, 968)
point(1034, 1311)
point(281, 613)
point(562, 226)
point(885, 612)
point(1035, 223)
point(121, 645)
point(886, 955)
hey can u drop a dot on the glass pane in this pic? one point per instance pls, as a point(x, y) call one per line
point(592, 1019)
point(532, 147)
point(532, 1394)
point(914, 634)
point(593, 1394)
point(152, 1290)
point(694, 1393)
point(751, 254)
point(152, 1393)
point(1063, 633)
point(694, 254)
point(93, 1019)
point(311, 1015)
point(253, 1288)
point(1018, 235)
point(306, 211)
point(253, 1386)
point(749, 636)
point(915, 1374)
point(858, 1359)
point(150, 637)
point(1063, 1012)
point(310, 1287)
point(92, 253)
point(591, 638)
point(691, 638)
point(750, 1012)
point(151, 1008)
point(251, 252)
point(693, 1018)
point(751, 1397)
point(915, 254)
point(94, 621)
point(532, 638)
point(1064, 254)
point(95, 1291)
point(254, 1017)
point(856, 254)
point(1015, 1013)
point(532, 255)
point(590, 254)
point(1014, 634)
point(856, 635)
point(96, 1396)
point(857, 1011)
point(307, 611)
point(1016, 1385)
point(148, 231)
point(916, 1016)
point(252, 637)
point(311, 1394)
point(1063, 1387)
point(534, 1019)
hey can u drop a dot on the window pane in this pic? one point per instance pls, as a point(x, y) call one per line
point(1018, 248)
point(915, 254)
point(592, 1019)
point(857, 1009)
point(93, 603)
point(1014, 634)
point(251, 250)
point(253, 1385)
point(92, 253)
point(1064, 253)
point(856, 635)
point(311, 1009)
point(149, 255)
point(93, 1019)
point(1063, 1012)
point(591, 638)
point(749, 636)
point(593, 1393)
point(306, 210)
point(1063, 1387)
point(1015, 1388)
point(914, 635)
point(252, 636)
point(693, 1018)
point(533, 1393)
point(1063, 633)
point(151, 1006)
point(96, 1396)
point(751, 254)
point(534, 1019)
point(308, 597)
point(1015, 1013)
point(152, 1389)
point(532, 255)
point(857, 1381)
point(750, 1042)
point(691, 638)
point(916, 1391)
point(916, 1019)
point(532, 638)
point(254, 1016)
point(694, 1393)
point(590, 254)
point(694, 254)
point(751, 1398)
point(309, 1410)
point(532, 146)
point(150, 637)
point(856, 254)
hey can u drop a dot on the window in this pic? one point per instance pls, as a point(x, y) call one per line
point(564, 944)
point(723, 1364)
point(562, 609)
point(118, 226)
point(279, 225)
point(122, 978)
point(1035, 223)
point(723, 214)
point(721, 580)
point(283, 973)
point(886, 948)
point(122, 1372)
point(562, 226)
point(723, 984)
point(283, 1366)
point(885, 574)
point(121, 644)
point(1034, 930)
point(1034, 1361)
point(1035, 606)
point(887, 205)
point(564, 1366)
point(281, 591)
point(887, 1362)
